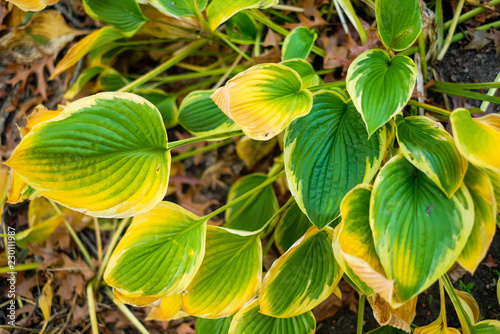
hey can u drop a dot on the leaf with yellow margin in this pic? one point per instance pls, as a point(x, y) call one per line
point(264, 99)
point(219, 11)
point(495, 181)
point(33, 5)
point(124, 298)
point(229, 276)
point(487, 327)
point(354, 246)
point(485, 212)
point(400, 317)
point(310, 267)
point(159, 254)
point(104, 155)
point(291, 227)
point(469, 304)
point(169, 308)
point(91, 42)
point(250, 321)
point(478, 139)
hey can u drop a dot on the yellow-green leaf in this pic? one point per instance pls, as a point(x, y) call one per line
point(495, 181)
point(427, 145)
point(124, 15)
point(104, 155)
point(327, 153)
point(305, 70)
point(264, 99)
point(253, 212)
point(221, 10)
point(229, 276)
point(380, 85)
point(310, 267)
point(469, 304)
point(91, 42)
point(418, 232)
point(159, 254)
point(354, 246)
point(45, 301)
point(201, 116)
point(32, 5)
point(169, 308)
point(291, 227)
point(487, 327)
point(478, 139)
point(481, 191)
point(250, 321)
point(124, 298)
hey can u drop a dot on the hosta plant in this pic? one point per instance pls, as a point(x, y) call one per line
point(380, 194)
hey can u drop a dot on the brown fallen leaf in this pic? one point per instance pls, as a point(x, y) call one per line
point(479, 41)
point(495, 37)
point(490, 262)
point(185, 328)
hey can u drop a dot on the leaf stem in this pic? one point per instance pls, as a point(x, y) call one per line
point(275, 215)
point(242, 197)
point(204, 149)
point(187, 141)
point(491, 92)
point(453, 26)
point(429, 107)
point(140, 327)
point(73, 234)
point(421, 48)
point(92, 311)
point(462, 315)
point(98, 238)
point(361, 313)
point(439, 22)
point(470, 14)
point(187, 76)
point(232, 46)
point(183, 53)
point(465, 93)
point(289, 8)
point(20, 267)
point(461, 35)
point(336, 84)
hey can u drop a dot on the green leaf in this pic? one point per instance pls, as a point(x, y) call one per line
point(264, 99)
point(426, 144)
point(166, 104)
point(418, 232)
point(354, 247)
point(38, 233)
point(487, 327)
point(253, 212)
point(291, 227)
point(179, 8)
point(200, 115)
point(387, 330)
point(213, 326)
point(380, 86)
point(159, 254)
point(105, 155)
point(298, 43)
point(242, 29)
point(229, 276)
point(305, 70)
point(111, 80)
point(250, 321)
point(399, 22)
point(219, 11)
point(124, 15)
point(481, 191)
point(327, 153)
point(309, 267)
point(495, 180)
point(84, 77)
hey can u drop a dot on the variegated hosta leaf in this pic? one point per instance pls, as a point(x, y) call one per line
point(291, 227)
point(310, 267)
point(200, 115)
point(399, 22)
point(427, 145)
point(387, 330)
point(469, 305)
point(32, 5)
point(104, 155)
point(298, 43)
point(436, 327)
point(354, 247)
point(478, 139)
point(481, 191)
point(418, 232)
point(221, 10)
point(242, 28)
point(159, 254)
point(264, 99)
point(380, 86)
point(305, 70)
point(179, 8)
point(253, 212)
point(495, 181)
point(213, 326)
point(123, 298)
point(327, 153)
point(487, 327)
point(250, 321)
point(169, 308)
point(229, 276)
point(400, 317)
point(91, 42)
point(124, 15)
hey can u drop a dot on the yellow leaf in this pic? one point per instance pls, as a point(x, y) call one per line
point(32, 5)
point(477, 139)
point(5, 180)
point(123, 298)
point(170, 308)
point(45, 302)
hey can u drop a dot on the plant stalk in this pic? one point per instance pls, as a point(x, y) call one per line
point(204, 149)
point(462, 315)
point(470, 14)
point(453, 26)
point(361, 313)
point(92, 311)
point(429, 107)
point(124, 309)
point(20, 267)
point(221, 135)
